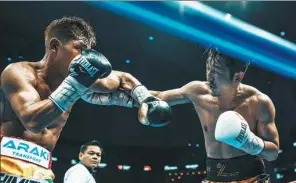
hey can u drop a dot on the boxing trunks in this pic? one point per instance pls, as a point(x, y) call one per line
point(22, 161)
point(243, 169)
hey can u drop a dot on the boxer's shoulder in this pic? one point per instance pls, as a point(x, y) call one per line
point(256, 94)
point(249, 92)
point(197, 87)
point(23, 71)
point(257, 99)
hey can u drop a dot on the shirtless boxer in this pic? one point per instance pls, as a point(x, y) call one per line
point(37, 97)
point(237, 121)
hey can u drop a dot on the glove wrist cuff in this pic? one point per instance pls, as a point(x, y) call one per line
point(67, 93)
point(140, 93)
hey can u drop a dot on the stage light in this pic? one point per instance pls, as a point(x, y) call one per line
point(279, 176)
point(147, 168)
point(151, 38)
point(102, 165)
point(127, 61)
point(283, 33)
point(73, 162)
point(194, 166)
point(227, 16)
point(167, 168)
point(9, 59)
point(123, 167)
point(126, 167)
point(119, 167)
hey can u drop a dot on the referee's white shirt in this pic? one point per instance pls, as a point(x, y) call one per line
point(78, 174)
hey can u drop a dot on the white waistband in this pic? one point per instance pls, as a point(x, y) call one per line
point(26, 151)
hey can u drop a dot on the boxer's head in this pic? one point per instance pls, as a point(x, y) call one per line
point(223, 72)
point(64, 39)
point(90, 154)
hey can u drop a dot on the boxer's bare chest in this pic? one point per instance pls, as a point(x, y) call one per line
point(12, 126)
point(209, 109)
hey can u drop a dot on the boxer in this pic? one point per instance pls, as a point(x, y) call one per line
point(37, 97)
point(237, 120)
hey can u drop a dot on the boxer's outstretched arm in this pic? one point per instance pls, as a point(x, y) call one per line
point(34, 113)
point(152, 110)
point(267, 129)
point(181, 95)
point(116, 80)
point(116, 89)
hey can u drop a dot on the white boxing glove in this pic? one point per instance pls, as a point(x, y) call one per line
point(233, 129)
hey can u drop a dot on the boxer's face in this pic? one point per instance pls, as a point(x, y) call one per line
point(218, 75)
point(91, 157)
point(69, 51)
point(64, 53)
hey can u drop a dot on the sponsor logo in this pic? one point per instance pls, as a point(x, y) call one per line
point(241, 136)
point(91, 70)
point(24, 150)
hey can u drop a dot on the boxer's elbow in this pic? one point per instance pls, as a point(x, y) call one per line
point(274, 152)
point(128, 82)
point(33, 126)
point(30, 124)
point(156, 94)
point(271, 154)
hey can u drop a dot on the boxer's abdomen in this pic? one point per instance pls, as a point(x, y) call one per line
point(12, 126)
point(208, 112)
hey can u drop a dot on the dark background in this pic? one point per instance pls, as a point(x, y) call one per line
point(163, 63)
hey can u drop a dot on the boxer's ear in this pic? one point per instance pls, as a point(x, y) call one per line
point(53, 44)
point(238, 77)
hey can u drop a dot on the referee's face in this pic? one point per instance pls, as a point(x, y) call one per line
point(91, 157)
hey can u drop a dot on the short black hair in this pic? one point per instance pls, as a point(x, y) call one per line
point(234, 65)
point(91, 143)
point(71, 28)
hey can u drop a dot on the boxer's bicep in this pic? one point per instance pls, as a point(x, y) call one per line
point(177, 96)
point(18, 90)
point(266, 127)
point(108, 84)
point(174, 96)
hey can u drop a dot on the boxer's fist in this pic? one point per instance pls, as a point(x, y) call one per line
point(89, 66)
point(155, 113)
point(233, 129)
point(84, 70)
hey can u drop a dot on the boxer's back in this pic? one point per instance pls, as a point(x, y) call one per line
point(12, 126)
point(209, 109)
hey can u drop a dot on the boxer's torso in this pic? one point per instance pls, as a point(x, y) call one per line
point(12, 126)
point(209, 108)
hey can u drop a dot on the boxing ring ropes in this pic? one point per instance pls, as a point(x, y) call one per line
point(204, 25)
